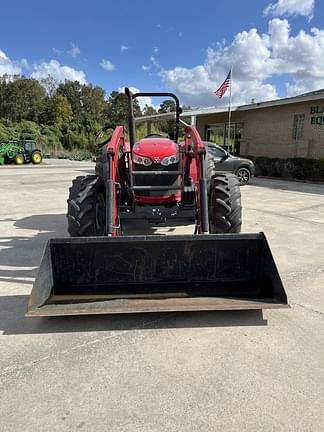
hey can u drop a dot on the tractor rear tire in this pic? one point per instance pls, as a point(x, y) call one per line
point(36, 157)
point(224, 203)
point(86, 207)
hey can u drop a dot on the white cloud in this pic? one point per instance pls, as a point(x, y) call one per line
point(8, 66)
point(107, 65)
point(58, 72)
point(40, 70)
point(256, 58)
point(291, 7)
point(74, 51)
point(145, 68)
point(57, 51)
point(24, 63)
point(124, 48)
point(153, 62)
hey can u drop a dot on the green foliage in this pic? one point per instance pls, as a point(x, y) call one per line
point(66, 116)
point(167, 106)
point(29, 130)
point(149, 110)
point(21, 98)
point(117, 109)
point(62, 110)
point(141, 131)
point(4, 132)
point(167, 126)
point(71, 90)
point(77, 155)
point(293, 168)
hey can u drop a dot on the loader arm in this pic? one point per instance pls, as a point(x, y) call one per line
point(112, 180)
point(194, 143)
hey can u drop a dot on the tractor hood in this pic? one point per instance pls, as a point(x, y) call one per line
point(160, 147)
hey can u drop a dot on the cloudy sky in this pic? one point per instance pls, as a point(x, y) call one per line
point(276, 48)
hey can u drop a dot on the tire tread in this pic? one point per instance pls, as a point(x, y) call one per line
point(81, 206)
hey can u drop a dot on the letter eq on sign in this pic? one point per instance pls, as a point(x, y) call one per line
point(317, 119)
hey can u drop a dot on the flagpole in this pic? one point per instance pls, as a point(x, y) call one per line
point(230, 110)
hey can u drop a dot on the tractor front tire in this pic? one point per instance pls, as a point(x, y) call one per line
point(19, 159)
point(86, 207)
point(224, 203)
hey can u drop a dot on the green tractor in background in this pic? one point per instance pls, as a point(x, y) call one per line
point(20, 152)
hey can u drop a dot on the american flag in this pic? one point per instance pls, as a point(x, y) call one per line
point(226, 84)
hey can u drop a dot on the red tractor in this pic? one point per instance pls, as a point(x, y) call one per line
point(100, 271)
point(157, 172)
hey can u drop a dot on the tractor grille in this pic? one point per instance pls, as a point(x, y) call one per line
point(156, 179)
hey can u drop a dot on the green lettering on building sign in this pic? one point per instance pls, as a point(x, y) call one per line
point(317, 120)
point(317, 110)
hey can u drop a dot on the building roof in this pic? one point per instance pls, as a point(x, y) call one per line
point(306, 97)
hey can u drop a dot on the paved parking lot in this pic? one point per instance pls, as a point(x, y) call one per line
point(221, 371)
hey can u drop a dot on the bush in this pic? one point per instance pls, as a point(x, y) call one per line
point(52, 139)
point(76, 155)
point(294, 168)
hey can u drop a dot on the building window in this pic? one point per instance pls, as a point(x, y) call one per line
point(218, 133)
point(298, 128)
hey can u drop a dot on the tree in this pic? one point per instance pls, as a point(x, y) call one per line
point(93, 110)
point(167, 126)
point(186, 107)
point(61, 108)
point(50, 85)
point(21, 99)
point(167, 106)
point(72, 90)
point(149, 110)
point(93, 103)
point(88, 106)
point(117, 109)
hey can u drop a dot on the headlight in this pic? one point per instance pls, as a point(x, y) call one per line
point(142, 160)
point(169, 160)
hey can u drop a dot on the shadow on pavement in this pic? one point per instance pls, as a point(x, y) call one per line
point(13, 321)
point(288, 185)
point(22, 254)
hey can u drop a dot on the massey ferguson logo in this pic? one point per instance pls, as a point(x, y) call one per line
point(156, 160)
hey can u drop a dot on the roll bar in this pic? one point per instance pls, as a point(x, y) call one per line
point(131, 118)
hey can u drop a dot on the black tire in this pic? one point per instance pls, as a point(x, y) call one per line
point(36, 157)
point(86, 207)
point(244, 175)
point(224, 201)
point(19, 159)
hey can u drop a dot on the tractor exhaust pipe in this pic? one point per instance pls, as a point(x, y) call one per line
point(131, 118)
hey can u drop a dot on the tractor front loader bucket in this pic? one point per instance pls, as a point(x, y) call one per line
point(101, 275)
